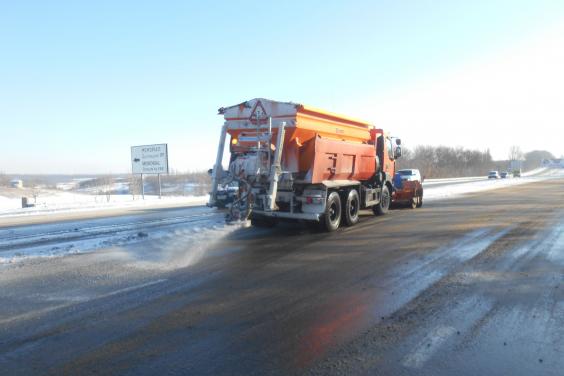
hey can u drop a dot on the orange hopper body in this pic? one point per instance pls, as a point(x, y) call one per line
point(318, 145)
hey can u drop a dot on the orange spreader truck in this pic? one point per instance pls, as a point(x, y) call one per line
point(297, 162)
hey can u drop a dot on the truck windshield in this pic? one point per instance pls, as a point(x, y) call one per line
point(405, 172)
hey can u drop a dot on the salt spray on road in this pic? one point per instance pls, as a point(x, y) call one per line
point(181, 248)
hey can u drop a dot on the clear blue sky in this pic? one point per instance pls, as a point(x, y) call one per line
point(80, 82)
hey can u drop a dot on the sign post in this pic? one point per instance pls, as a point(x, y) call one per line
point(159, 177)
point(142, 187)
point(149, 159)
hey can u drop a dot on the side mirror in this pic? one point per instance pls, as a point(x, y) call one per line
point(398, 141)
point(397, 152)
point(210, 171)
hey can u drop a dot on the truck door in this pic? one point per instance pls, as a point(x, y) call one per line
point(388, 163)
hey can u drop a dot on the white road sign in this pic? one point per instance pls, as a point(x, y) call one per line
point(149, 159)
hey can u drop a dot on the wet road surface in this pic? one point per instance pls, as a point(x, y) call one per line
point(465, 286)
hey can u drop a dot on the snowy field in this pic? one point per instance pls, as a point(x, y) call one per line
point(193, 228)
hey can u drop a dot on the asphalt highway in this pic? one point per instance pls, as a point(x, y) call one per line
point(466, 286)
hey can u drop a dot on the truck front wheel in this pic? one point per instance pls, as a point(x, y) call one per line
point(384, 205)
point(331, 219)
point(351, 208)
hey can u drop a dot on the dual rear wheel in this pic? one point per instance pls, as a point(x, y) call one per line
point(340, 210)
point(331, 219)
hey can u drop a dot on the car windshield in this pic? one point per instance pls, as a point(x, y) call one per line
point(405, 172)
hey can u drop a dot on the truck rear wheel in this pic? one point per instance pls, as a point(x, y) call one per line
point(352, 207)
point(331, 219)
point(384, 205)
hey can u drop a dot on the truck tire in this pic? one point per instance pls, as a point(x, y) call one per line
point(331, 219)
point(352, 207)
point(384, 205)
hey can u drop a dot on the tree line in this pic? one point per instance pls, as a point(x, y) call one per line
point(447, 162)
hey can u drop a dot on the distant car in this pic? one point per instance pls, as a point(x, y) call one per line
point(410, 175)
point(408, 188)
point(505, 175)
point(493, 175)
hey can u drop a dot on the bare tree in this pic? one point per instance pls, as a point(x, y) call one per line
point(105, 187)
point(134, 185)
point(534, 158)
point(35, 191)
point(4, 180)
point(515, 153)
point(444, 161)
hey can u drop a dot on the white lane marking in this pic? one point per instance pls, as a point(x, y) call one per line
point(39, 312)
point(28, 315)
point(130, 288)
point(428, 346)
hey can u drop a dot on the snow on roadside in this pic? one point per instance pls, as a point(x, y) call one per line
point(536, 171)
point(429, 182)
point(174, 243)
point(456, 190)
point(66, 202)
